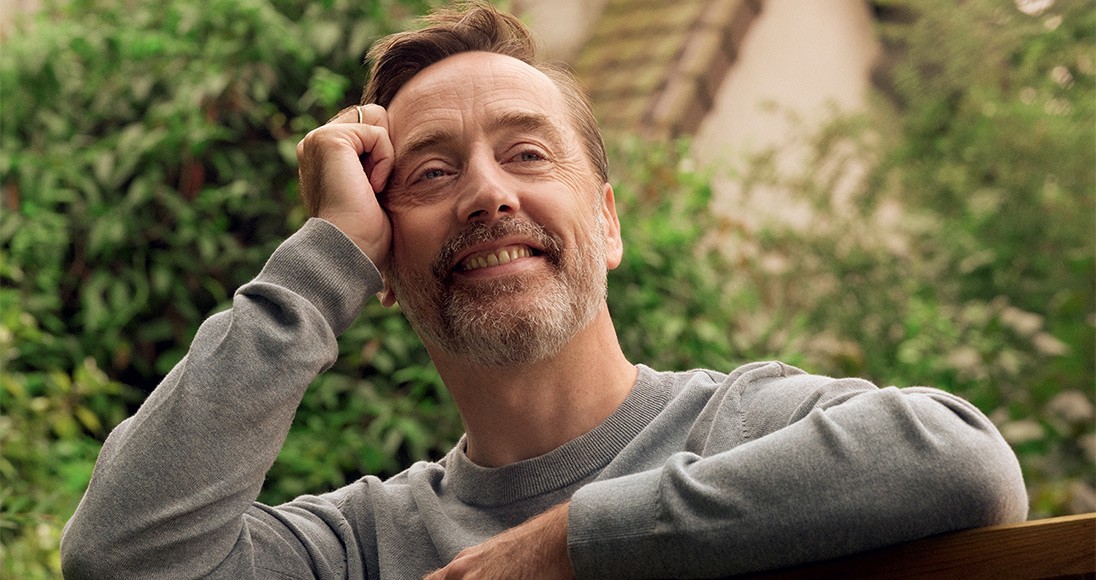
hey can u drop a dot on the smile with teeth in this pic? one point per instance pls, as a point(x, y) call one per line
point(495, 257)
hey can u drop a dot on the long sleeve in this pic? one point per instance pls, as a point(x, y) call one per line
point(785, 468)
point(173, 490)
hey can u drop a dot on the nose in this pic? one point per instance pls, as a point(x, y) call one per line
point(489, 193)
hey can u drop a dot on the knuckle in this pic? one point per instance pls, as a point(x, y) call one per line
point(314, 141)
point(307, 141)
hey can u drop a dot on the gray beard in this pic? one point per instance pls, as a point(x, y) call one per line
point(482, 323)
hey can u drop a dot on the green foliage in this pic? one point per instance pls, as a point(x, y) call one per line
point(47, 456)
point(147, 169)
point(669, 295)
point(148, 149)
point(965, 258)
point(1004, 154)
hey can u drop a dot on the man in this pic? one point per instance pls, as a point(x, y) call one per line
point(494, 225)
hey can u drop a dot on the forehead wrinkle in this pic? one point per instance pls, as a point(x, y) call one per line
point(430, 139)
point(528, 122)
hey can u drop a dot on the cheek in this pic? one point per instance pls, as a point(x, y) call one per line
point(580, 179)
point(571, 194)
point(583, 206)
point(416, 236)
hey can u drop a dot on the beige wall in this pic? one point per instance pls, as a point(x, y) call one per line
point(800, 55)
point(805, 57)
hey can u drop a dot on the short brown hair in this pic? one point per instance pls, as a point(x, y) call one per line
point(475, 26)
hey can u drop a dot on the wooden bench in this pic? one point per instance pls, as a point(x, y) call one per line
point(1062, 547)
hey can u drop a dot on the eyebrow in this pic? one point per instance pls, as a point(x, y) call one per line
point(428, 140)
point(528, 123)
point(522, 121)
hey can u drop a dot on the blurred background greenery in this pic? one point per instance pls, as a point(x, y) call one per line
point(147, 170)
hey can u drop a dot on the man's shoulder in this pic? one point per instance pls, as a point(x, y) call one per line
point(370, 488)
point(753, 379)
point(768, 379)
point(756, 398)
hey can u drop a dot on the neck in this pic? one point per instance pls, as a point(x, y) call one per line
point(519, 412)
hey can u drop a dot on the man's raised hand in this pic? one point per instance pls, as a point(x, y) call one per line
point(343, 164)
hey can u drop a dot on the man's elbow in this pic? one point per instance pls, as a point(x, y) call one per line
point(985, 479)
point(92, 548)
point(1003, 494)
point(968, 472)
point(83, 556)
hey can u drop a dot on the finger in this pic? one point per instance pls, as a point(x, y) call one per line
point(362, 139)
point(341, 116)
point(366, 140)
point(376, 141)
point(347, 115)
point(372, 114)
point(380, 165)
point(381, 158)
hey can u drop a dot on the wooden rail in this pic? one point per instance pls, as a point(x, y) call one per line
point(1062, 547)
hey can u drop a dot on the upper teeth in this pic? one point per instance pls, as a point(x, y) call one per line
point(496, 257)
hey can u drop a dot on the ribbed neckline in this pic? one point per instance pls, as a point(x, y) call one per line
point(568, 464)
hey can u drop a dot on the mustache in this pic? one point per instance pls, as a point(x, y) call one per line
point(481, 232)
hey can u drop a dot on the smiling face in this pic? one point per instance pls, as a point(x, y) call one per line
point(502, 233)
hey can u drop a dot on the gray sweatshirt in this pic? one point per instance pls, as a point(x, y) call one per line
point(698, 473)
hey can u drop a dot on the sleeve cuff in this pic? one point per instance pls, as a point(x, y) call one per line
point(322, 265)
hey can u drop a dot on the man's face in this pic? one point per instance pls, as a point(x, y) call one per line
point(502, 234)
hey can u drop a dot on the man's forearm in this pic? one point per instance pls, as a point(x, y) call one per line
point(883, 467)
point(535, 549)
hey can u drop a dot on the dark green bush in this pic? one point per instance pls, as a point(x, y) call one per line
point(149, 150)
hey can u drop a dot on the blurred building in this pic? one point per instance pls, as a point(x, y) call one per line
point(731, 74)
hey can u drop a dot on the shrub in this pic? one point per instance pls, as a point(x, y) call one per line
point(964, 259)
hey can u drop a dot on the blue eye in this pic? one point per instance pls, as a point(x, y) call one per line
point(530, 156)
point(432, 174)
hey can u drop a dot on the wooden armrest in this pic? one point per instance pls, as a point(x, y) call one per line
point(1050, 548)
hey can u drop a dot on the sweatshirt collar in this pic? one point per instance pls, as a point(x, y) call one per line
point(568, 464)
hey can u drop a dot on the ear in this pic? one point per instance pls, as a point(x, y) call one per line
point(614, 246)
point(386, 296)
